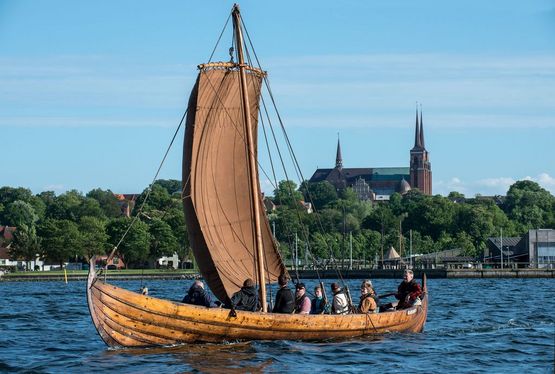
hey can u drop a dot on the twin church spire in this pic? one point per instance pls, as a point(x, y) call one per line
point(419, 131)
point(420, 166)
point(420, 169)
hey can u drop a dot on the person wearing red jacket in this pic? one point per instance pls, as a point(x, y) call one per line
point(408, 292)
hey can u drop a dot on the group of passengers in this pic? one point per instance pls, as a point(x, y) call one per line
point(408, 294)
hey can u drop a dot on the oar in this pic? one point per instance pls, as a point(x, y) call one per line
point(387, 295)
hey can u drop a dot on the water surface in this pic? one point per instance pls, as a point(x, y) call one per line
point(474, 326)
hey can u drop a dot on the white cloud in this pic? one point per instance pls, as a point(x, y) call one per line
point(57, 188)
point(501, 182)
point(547, 181)
point(489, 186)
point(54, 121)
point(375, 90)
point(454, 184)
point(378, 90)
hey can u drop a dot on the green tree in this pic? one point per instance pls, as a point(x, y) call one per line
point(320, 194)
point(289, 221)
point(66, 206)
point(175, 219)
point(61, 240)
point(107, 201)
point(529, 205)
point(20, 213)
point(10, 194)
point(286, 194)
point(172, 186)
point(162, 240)
point(90, 208)
point(466, 244)
point(26, 244)
point(134, 248)
point(158, 199)
point(94, 238)
point(455, 195)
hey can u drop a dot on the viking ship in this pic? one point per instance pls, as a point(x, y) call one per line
point(229, 234)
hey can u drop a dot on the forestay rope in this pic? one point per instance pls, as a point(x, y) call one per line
point(149, 190)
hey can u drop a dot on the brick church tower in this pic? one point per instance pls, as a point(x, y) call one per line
point(420, 166)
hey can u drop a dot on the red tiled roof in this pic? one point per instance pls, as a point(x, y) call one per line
point(4, 253)
point(6, 232)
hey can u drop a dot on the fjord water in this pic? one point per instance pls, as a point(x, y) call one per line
point(474, 326)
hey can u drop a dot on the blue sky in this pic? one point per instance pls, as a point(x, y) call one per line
point(92, 92)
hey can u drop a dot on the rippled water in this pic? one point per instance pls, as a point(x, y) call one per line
point(474, 326)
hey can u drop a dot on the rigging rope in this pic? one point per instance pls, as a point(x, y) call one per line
point(290, 148)
point(219, 38)
point(149, 189)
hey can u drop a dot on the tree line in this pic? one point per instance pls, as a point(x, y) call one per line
point(435, 223)
point(74, 226)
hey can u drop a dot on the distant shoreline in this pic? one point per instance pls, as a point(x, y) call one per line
point(303, 274)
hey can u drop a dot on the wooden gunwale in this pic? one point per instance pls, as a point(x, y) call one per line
point(127, 319)
point(151, 326)
point(360, 318)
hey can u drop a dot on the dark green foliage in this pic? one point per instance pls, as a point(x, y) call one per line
point(61, 239)
point(66, 206)
point(158, 199)
point(286, 194)
point(71, 224)
point(26, 244)
point(162, 240)
point(170, 185)
point(135, 247)
point(19, 213)
point(107, 201)
point(529, 205)
point(319, 194)
point(94, 237)
point(10, 195)
point(175, 219)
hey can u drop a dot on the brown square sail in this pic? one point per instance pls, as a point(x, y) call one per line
point(218, 195)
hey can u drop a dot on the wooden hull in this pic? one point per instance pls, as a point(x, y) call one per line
point(128, 319)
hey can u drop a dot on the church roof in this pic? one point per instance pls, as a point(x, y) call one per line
point(383, 181)
point(395, 173)
point(368, 174)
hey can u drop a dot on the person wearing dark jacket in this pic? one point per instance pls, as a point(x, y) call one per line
point(319, 305)
point(285, 301)
point(197, 295)
point(408, 292)
point(246, 298)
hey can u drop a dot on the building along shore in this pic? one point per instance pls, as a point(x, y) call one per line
point(303, 274)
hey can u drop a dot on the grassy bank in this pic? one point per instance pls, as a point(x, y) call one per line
point(83, 273)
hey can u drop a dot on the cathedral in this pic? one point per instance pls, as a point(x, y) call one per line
point(378, 184)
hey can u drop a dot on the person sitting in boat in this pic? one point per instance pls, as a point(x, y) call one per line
point(408, 292)
point(340, 304)
point(302, 301)
point(368, 299)
point(246, 298)
point(197, 295)
point(319, 305)
point(285, 301)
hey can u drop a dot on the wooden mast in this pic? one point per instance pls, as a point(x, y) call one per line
point(252, 161)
